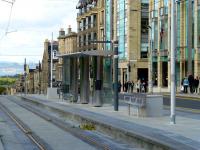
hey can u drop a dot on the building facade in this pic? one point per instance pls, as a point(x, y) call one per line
point(67, 68)
point(19, 84)
point(30, 81)
point(83, 64)
point(67, 43)
point(46, 65)
point(37, 79)
point(90, 22)
point(187, 41)
point(131, 30)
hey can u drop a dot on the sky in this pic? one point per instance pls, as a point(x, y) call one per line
point(32, 21)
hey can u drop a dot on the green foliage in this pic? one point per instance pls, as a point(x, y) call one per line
point(2, 90)
point(7, 81)
point(89, 126)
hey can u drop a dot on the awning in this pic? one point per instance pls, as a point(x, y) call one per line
point(89, 53)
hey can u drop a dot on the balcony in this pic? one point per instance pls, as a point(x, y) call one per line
point(87, 47)
point(85, 30)
point(87, 11)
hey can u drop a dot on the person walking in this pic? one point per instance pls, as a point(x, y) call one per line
point(138, 86)
point(191, 83)
point(126, 86)
point(132, 86)
point(119, 86)
point(196, 84)
point(185, 85)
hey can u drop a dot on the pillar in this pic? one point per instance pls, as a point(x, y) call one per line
point(84, 80)
point(159, 74)
point(66, 75)
point(74, 79)
point(189, 36)
point(92, 21)
point(97, 100)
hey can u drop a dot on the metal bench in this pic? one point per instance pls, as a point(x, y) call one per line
point(137, 100)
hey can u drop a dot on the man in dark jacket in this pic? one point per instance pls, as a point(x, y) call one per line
point(196, 84)
point(191, 83)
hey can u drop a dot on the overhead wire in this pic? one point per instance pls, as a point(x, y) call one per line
point(9, 19)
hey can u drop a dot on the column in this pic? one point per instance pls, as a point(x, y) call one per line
point(189, 36)
point(86, 22)
point(86, 39)
point(98, 101)
point(66, 75)
point(159, 74)
point(84, 80)
point(92, 21)
point(74, 79)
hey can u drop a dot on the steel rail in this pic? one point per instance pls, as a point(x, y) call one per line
point(74, 131)
point(22, 127)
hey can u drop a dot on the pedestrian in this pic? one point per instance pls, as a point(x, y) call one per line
point(191, 83)
point(185, 84)
point(145, 86)
point(129, 86)
point(196, 84)
point(132, 86)
point(119, 86)
point(142, 87)
point(123, 86)
point(138, 86)
point(126, 86)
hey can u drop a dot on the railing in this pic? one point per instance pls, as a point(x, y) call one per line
point(137, 100)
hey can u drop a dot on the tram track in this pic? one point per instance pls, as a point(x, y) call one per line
point(87, 137)
point(25, 129)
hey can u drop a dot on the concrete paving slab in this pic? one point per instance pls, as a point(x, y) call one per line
point(186, 131)
point(55, 137)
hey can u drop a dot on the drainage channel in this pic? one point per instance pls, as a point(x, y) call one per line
point(99, 141)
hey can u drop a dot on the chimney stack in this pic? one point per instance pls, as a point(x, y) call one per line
point(69, 29)
point(61, 32)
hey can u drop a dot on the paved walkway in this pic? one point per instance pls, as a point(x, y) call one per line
point(180, 95)
point(187, 129)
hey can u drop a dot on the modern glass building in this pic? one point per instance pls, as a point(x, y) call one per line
point(187, 41)
point(130, 23)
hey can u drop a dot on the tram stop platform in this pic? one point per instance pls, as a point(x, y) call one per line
point(148, 132)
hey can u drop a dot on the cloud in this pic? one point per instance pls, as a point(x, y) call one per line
point(34, 22)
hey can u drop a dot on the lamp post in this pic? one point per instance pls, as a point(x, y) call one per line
point(150, 62)
point(51, 61)
point(115, 65)
point(173, 49)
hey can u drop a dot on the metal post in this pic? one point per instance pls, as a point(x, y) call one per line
point(189, 37)
point(150, 62)
point(25, 74)
point(51, 61)
point(116, 101)
point(173, 49)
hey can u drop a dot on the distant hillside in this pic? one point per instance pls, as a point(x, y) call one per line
point(12, 68)
point(7, 81)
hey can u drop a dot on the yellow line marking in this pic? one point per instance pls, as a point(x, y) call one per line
point(186, 109)
point(185, 97)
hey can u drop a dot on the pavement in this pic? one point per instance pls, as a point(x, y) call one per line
point(185, 134)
